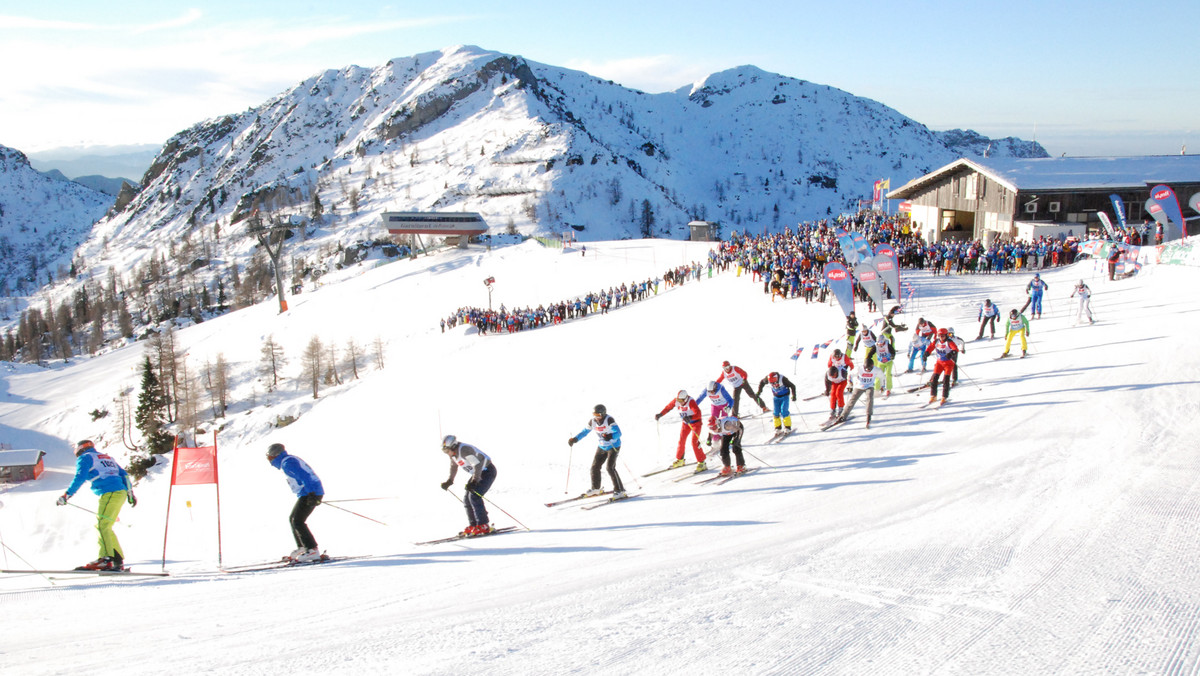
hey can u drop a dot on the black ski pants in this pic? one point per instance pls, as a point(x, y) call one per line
point(607, 457)
point(304, 507)
point(988, 322)
point(732, 442)
point(737, 396)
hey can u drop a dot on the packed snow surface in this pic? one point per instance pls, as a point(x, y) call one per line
point(1044, 522)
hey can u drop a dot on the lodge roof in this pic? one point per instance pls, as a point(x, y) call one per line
point(1068, 173)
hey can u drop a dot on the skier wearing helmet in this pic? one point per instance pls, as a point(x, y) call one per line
point(988, 314)
point(606, 453)
point(109, 481)
point(739, 381)
point(720, 400)
point(690, 416)
point(841, 362)
point(1035, 288)
point(1017, 325)
point(309, 491)
point(483, 474)
point(780, 388)
point(1085, 304)
point(945, 350)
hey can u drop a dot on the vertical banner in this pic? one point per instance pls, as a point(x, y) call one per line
point(846, 243)
point(868, 277)
point(1160, 216)
point(1169, 202)
point(1119, 207)
point(887, 262)
point(861, 246)
point(839, 283)
point(1107, 224)
point(193, 467)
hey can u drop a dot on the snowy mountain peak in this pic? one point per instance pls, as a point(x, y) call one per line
point(532, 147)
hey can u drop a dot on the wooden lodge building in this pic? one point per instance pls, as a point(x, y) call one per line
point(986, 199)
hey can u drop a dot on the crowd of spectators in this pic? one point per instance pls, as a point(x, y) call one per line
point(511, 320)
point(790, 264)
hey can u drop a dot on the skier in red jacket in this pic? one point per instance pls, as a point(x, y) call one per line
point(689, 413)
point(946, 349)
point(738, 381)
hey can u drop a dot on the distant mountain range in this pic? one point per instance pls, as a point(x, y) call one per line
point(532, 147)
point(104, 161)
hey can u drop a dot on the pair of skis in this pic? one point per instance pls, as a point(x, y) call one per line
point(779, 436)
point(102, 573)
point(720, 480)
point(834, 422)
point(288, 563)
point(455, 538)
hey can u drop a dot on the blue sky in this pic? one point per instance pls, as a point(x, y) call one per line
point(1097, 78)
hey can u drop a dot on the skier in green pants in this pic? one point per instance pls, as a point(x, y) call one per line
point(111, 483)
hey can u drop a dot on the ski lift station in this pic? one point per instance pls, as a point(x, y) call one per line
point(463, 225)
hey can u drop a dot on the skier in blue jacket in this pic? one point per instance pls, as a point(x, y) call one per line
point(111, 483)
point(1035, 288)
point(309, 492)
point(606, 453)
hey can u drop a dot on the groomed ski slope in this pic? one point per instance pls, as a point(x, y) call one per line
point(1044, 522)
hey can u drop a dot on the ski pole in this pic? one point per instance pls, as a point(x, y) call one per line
point(757, 458)
point(968, 377)
point(485, 498)
point(118, 520)
point(570, 450)
point(10, 549)
point(354, 513)
point(326, 502)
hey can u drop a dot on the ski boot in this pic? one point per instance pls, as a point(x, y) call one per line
point(593, 492)
point(678, 463)
point(741, 469)
point(309, 556)
point(482, 529)
point(701, 466)
point(726, 471)
point(619, 495)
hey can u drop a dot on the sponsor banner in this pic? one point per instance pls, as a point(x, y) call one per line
point(1107, 225)
point(868, 278)
point(887, 262)
point(194, 466)
point(905, 206)
point(861, 246)
point(1180, 253)
point(846, 243)
point(1119, 207)
point(838, 279)
point(1166, 198)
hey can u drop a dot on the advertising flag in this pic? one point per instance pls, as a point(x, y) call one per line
point(846, 243)
point(1107, 224)
point(1194, 203)
point(887, 262)
point(1156, 211)
point(1169, 202)
point(839, 283)
point(1119, 207)
point(868, 277)
point(194, 466)
point(875, 195)
point(861, 246)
